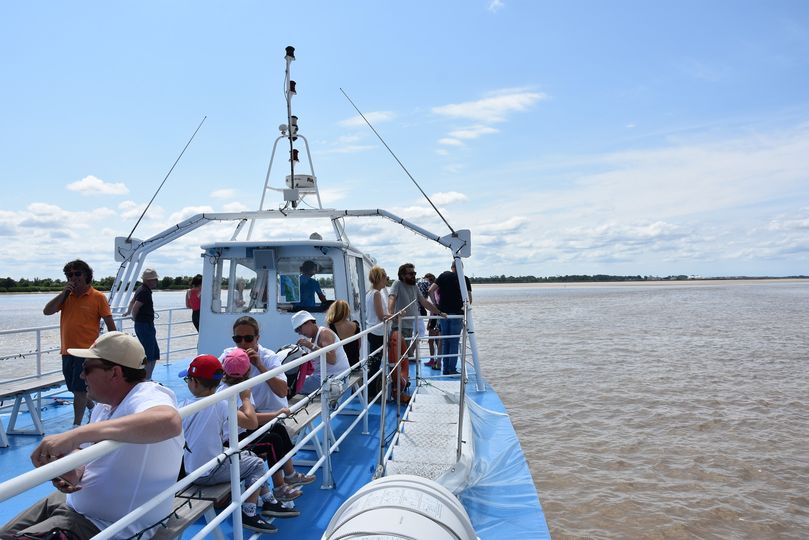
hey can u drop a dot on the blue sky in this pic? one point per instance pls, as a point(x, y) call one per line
point(577, 137)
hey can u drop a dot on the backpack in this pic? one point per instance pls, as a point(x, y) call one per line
point(288, 353)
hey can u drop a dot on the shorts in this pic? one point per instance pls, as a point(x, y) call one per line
point(72, 366)
point(147, 335)
point(422, 328)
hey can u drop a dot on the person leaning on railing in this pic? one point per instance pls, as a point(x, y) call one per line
point(129, 409)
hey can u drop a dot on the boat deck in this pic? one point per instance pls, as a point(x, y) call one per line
point(519, 516)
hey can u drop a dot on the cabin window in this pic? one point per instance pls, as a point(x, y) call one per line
point(305, 283)
point(238, 288)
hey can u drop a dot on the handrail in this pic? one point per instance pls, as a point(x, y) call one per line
point(45, 473)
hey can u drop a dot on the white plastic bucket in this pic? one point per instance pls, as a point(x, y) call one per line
point(401, 507)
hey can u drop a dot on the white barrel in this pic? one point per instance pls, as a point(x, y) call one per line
point(401, 506)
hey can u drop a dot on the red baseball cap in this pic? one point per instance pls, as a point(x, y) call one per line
point(205, 366)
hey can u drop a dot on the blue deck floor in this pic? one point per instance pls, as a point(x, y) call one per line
point(352, 469)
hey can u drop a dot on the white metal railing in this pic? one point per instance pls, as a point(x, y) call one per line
point(322, 430)
point(43, 474)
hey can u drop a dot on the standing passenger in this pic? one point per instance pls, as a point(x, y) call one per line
point(192, 299)
point(142, 309)
point(451, 301)
point(426, 327)
point(310, 286)
point(82, 312)
point(404, 294)
point(376, 310)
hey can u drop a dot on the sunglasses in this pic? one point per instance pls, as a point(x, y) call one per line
point(88, 368)
point(246, 339)
point(77, 273)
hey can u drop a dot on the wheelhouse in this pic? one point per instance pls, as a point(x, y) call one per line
point(270, 281)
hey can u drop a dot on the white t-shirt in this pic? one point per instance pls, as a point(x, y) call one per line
point(204, 434)
point(264, 398)
point(117, 483)
point(370, 310)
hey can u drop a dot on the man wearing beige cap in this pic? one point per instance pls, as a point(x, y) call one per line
point(142, 309)
point(131, 410)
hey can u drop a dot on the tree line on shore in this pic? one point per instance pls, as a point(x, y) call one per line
point(9, 285)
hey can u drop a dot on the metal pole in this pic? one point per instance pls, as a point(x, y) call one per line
point(462, 401)
point(383, 372)
point(325, 418)
point(235, 473)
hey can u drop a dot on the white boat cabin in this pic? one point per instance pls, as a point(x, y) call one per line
point(272, 280)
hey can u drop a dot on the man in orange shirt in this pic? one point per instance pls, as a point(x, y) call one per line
point(82, 309)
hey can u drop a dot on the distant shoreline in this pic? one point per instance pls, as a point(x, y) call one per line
point(564, 284)
point(656, 283)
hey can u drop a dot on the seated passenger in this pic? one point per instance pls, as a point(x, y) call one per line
point(310, 286)
point(317, 337)
point(205, 432)
point(129, 409)
point(249, 359)
point(339, 319)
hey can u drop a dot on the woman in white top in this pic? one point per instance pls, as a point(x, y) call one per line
point(376, 309)
point(317, 337)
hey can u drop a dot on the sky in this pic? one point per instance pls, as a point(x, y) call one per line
point(576, 137)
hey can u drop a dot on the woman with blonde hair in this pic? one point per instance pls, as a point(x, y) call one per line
point(376, 310)
point(338, 317)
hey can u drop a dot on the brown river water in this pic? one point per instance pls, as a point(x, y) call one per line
point(655, 410)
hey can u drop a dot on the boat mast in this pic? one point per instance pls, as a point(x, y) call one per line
point(297, 185)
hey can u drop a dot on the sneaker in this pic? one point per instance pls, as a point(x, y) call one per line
point(257, 523)
point(277, 509)
point(286, 493)
point(299, 479)
point(453, 372)
point(429, 363)
point(436, 367)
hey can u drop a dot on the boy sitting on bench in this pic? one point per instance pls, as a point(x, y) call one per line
point(204, 433)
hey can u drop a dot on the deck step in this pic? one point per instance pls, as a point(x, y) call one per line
point(425, 470)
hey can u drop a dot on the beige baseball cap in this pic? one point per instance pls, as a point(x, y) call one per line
point(115, 347)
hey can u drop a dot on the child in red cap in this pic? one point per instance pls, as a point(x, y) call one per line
point(205, 430)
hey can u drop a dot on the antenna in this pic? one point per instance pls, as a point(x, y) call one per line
point(164, 180)
point(399, 162)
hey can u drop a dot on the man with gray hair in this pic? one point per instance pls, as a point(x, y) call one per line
point(129, 409)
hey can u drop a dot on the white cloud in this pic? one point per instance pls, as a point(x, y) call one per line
point(187, 212)
point(447, 141)
point(225, 193)
point(90, 185)
point(448, 197)
point(236, 206)
point(375, 117)
point(495, 108)
point(495, 5)
point(472, 132)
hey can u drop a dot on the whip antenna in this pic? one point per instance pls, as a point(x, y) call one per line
point(164, 179)
point(399, 162)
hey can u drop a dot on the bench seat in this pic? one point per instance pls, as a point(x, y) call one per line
point(22, 390)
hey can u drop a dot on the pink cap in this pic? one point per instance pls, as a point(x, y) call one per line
point(236, 363)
